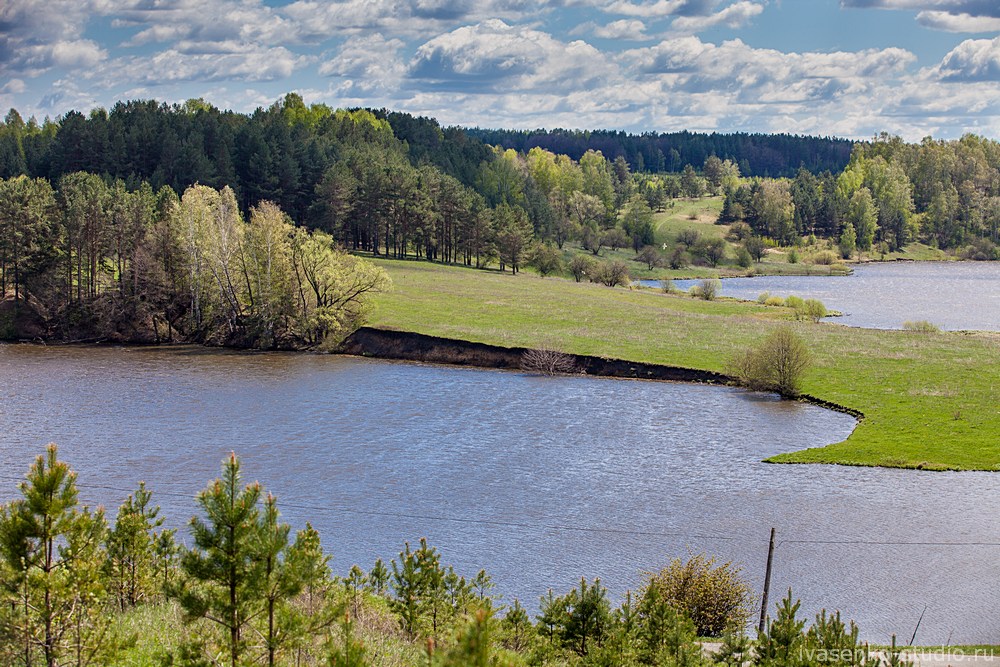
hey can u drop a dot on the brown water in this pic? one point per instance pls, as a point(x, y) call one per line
point(538, 480)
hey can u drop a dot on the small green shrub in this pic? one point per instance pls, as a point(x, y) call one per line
point(739, 231)
point(581, 267)
point(774, 301)
point(813, 309)
point(795, 302)
point(688, 237)
point(920, 326)
point(743, 257)
point(793, 256)
point(707, 289)
point(824, 258)
point(981, 250)
point(777, 364)
point(546, 259)
point(713, 596)
point(667, 285)
point(763, 297)
point(756, 246)
point(611, 274)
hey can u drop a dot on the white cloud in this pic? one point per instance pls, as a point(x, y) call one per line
point(625, 29)
point(958, 22)
point(172, 66)
point(659, 8)
point(369, 62)
point(973, 7)
point(79, 53)
point(734, 16)
point(961, 16)
point(972, 60)
point(14, 86)
point(206, 22)
point(37, 35)
point(321, 20)
point(493, 55)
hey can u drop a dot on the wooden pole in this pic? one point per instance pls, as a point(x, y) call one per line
point(767, 584)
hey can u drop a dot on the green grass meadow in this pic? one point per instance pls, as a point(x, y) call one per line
point(930, 400)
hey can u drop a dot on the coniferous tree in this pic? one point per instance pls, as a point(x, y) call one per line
point(223, 573)
point(348, 651)
point(784, 639)
point(516, 627)
point(51, 554)
point(588, 616)
point(666, 634)
point(378, 578)
point(475, 646)
point(130, 549)
point(553, 610)
point(736, 649)
point(165, 552)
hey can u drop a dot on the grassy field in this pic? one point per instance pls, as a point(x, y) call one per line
point(697, 214)
point(700, 215)
point(930, 400)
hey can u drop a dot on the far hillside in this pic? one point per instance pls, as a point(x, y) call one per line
point(769, 155)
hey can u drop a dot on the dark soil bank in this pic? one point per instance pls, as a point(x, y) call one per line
point(386, 344)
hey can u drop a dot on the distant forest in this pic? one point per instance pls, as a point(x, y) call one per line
point(157, 220)
point(766, 155)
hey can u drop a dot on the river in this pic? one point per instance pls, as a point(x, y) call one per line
point(538, 480)
point(950, 295)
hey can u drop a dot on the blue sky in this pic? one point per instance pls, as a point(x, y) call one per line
point(848, 68)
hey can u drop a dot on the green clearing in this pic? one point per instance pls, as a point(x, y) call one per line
point(697, 214)
point(929, 400)
point(701, 214)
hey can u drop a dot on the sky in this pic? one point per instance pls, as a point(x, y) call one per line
point(846, 68)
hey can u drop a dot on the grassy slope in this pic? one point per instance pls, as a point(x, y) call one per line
point(929, 399)
point(700, 215)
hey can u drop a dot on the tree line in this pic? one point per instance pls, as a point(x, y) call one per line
point(395, 185)
point(942, 193)
point(377, 181)
point(765, 155)
point(249, 591)
point(89, 260)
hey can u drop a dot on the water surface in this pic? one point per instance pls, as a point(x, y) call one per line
point(951, 295)
point(538, 480)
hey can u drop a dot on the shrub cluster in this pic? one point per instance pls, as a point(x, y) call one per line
point(777, 364)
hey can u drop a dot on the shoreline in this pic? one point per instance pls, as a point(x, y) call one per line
point(379, 343)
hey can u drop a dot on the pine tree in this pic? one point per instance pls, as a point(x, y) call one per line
point(553, 610)
point(408, 588)
point(516, 627)
point(588, 616)
point(165, 552)
point(130, 563)
point(736, 649)
point(418, 582)
point(354, 584)
point(223, 572)
point(378, 578)
point(51, 555)
point(783, 641)
point(279, 581)
point(667, 635)
point(349, 652)
point(475, 646)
